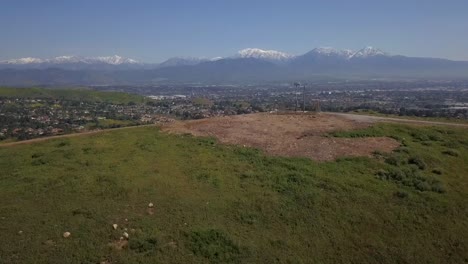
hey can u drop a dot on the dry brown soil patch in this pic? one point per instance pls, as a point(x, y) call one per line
point(293, 135)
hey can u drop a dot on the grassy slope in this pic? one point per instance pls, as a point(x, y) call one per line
point(71, 94)
point(437, 119)
point(217, 203)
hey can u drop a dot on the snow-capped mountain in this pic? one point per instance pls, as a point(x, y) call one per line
point(114, 60)
point(182, 61)
point(61, 60)
point(329, 51)
point(20, 61)
point(368, 52)
point(269, 55)
point(248, 65)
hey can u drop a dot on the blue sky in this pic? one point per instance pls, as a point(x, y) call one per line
point(152, 30)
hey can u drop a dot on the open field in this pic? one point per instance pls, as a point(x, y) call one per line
point(217, 203)
point(293, 135)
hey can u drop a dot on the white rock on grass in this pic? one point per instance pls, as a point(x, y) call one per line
point(125, 235)
point(115, 226)
point(150, 205)
point(66, 234)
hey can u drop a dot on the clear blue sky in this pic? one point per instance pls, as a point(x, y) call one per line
point(152, 30)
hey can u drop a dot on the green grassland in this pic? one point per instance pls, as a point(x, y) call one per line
point(111, 123)
point(436, 119)
point(229, 204)
point(78, 94)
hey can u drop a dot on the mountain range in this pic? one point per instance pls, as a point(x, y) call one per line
point(248, 65)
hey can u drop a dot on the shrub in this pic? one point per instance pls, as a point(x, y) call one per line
point(37, 155)
point(38, 162)
point(396, 159)
point(143, 245)
point(423, 186)
point(63, 144)
point(214, 245)
point(438, 187)
point(392, 160)
point(451, 152)
point(411, 177)
point(419, 136)
point(401, 194)
point(418, 162)
point(450, 144)
point(402, 150)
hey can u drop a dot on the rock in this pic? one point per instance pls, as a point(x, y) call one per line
point(150, 205)
point(172, 244)
point(66, 234)
point(49, 242)
point(115, 226)
point(125, 235)
point(20, 232)
point(119, 244)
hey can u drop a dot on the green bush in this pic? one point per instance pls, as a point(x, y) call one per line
point(451, 152)
point(143, 245)
point(418, 161)
point(423, 186)
point(438, 187)
point(411, 177)
point(214, 245)
point(401, 194)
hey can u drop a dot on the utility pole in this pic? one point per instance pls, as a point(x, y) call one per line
point(296, 84)
point(303, 98)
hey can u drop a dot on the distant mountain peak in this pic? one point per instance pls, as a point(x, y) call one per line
point(272, 55)
point(216, 58)
point(115, 60)
point(368, 51)
point(112, 60)
point(330, 51)
point(182, 61)
point(27, 60)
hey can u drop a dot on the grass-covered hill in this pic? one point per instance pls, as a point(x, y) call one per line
point(228, 204)
point(78, 94)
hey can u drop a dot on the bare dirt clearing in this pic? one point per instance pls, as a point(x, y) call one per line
point(294, 135)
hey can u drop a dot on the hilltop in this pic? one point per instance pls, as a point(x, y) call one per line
point(185, 199)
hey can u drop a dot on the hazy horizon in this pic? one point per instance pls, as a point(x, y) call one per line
point(152, 32)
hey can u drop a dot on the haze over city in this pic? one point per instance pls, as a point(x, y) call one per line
point(153, 31)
